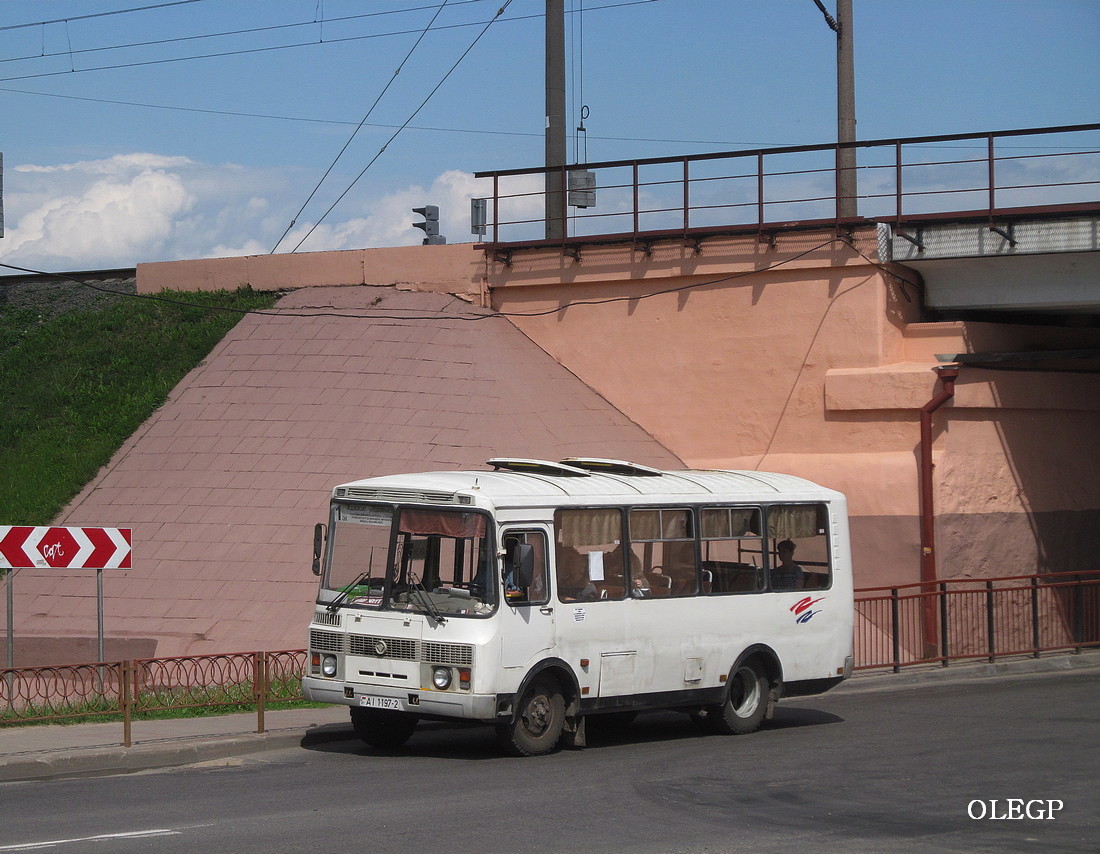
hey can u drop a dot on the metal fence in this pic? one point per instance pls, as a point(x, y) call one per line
point(966, 619)
point(913, 179)
point(133, 688)
point(955, 620)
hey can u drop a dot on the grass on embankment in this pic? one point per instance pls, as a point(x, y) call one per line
point(75, 385)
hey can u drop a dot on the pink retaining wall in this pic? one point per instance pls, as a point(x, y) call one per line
point(802, 356)
point(455, 269)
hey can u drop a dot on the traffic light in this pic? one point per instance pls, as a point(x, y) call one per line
point(478, 216)
point(430, 225)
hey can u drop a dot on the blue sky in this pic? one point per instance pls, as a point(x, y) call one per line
point(200, 128)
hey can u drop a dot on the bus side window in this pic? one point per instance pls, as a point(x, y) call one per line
point(799, 547)
point(663, 544)
point(537, 593)
point(589, 554)
point(732, 549)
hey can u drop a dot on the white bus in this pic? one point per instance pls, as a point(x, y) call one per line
point(538, 594)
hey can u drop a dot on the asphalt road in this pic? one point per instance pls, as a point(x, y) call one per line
point(898, 770)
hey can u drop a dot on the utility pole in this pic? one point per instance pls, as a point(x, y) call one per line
point(845, 110)
point(555, 118)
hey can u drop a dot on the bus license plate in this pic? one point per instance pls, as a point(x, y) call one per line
point(380, 703)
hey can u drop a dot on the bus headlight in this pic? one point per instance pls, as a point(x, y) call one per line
point(441, 678)
point(328, 666)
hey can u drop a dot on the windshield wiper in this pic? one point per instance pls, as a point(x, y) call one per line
point(425, 600)
point(339, 600)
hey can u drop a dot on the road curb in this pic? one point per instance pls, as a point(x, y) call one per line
point(936, 674)
point(102, 761)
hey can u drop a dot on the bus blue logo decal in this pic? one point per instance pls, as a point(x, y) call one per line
point(802, 609)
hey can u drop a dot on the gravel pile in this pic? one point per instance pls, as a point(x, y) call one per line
point(50, 296)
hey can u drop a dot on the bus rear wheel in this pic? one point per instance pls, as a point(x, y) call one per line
point(537, 723)
point(382, 728)
point(746, 702)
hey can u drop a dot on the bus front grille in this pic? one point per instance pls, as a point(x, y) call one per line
point(403, 648)
point(326, 641)
point(455, 654)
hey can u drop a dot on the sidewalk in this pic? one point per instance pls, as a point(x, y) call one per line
point(52, 751)
point(49, 751)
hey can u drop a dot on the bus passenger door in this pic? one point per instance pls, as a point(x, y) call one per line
point(527, 614)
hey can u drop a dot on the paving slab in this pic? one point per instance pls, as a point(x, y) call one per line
point(50, 751)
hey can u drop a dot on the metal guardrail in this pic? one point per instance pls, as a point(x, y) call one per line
point(134, 687)
point(965, 619)
point(913, 179)
point(970, 618)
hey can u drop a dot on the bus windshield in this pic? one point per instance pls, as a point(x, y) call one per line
point(358, 544)
point(441, 564)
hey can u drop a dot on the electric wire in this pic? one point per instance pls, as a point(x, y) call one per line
point(300, 44)
point(90, 15)
point(359, 126)
point(241, 32)
point(412, 116)
point(350, 122)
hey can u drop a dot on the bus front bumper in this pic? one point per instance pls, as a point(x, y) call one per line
point(444, 704)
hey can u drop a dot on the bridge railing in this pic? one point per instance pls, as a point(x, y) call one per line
point(990, 175)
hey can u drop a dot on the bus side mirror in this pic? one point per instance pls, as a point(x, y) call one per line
point(318, 547)
point(524, 571)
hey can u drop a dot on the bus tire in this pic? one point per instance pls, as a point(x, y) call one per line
point(383, 729)
point(746, 702)
point(537, 723)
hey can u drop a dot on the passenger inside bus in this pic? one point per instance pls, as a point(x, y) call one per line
point(613, 584)
point(659, 583)
point(574, 585)
point(787, 575)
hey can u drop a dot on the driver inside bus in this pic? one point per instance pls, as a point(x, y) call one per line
point(511, 589)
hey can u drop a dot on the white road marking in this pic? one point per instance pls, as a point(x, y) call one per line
point(133, 834)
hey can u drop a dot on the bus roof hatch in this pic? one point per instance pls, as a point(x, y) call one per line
point(537, 467)
point(611, 466)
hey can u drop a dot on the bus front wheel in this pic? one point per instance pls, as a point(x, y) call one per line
point(537, 723)
point(745, 705)
point(382, 728)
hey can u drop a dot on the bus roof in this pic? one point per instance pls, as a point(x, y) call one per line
point(535, 482)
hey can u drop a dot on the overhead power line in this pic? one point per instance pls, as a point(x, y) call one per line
point(293, 45)
point(359, 126)
point(224, 33)
point(90, 15)
point(412, 116)
point(351, 122)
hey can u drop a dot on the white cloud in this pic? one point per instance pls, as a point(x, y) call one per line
point(114, 165)
point(94, 213)
point(132, 208)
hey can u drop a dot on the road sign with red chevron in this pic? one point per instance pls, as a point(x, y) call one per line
point(29, 547)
